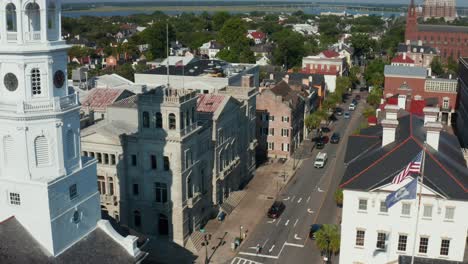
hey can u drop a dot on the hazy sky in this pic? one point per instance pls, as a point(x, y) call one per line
point(459, 2)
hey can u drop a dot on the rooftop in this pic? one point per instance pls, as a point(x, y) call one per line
point(402, 59)
point(403, 47)
point(129, 102)
point(442, 28)
point(370, 165)
point(289, 95)
point(100, 98)
point(406, 71)
point(209, 103)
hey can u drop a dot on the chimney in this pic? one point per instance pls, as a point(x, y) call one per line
point(430, 114)
point(389, 124)
point(408, 42)
point(404, 55)
point(310, 79)
point(450, 76)
point(272, 76)
point(419, 42)
point(429, 71)
point(286, 78)
point(247, 81)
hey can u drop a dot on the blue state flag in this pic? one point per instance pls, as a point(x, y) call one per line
point(404, 193)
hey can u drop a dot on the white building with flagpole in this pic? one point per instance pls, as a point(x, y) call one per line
point(373, 233)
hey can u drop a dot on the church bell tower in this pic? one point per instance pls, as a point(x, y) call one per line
point(44, 181)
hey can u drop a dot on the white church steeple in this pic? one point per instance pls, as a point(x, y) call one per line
point(44, 181)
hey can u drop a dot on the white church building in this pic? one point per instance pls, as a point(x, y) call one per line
point(373, 233)
point(49, 202)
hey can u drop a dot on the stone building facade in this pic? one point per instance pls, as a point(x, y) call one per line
point(440, 9)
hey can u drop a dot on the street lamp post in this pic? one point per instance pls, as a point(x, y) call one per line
point(240, 232)
point(205, 244)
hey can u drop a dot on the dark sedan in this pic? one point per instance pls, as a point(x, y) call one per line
point(313, 230)
point(276, 209)
point(335, 138)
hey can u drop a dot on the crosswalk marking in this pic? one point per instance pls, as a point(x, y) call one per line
point(238, 260)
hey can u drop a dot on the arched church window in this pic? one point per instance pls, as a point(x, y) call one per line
point(172, 121)
point(11, 18)
point(159, 121)
point(36, 82)
point(146, 120)
point(71, 144)
point(51, 15)
point(33, 16)
point(41, 147)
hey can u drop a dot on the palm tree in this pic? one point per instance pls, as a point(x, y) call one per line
point(328, 239)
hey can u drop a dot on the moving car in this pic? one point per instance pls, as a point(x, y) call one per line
point(347, 115)
point(320, 160)
point(325, 139)
point(313, 229)
point(335, 138)
point(351, 107)
point(319, 144)
point(339, 111)
point(276, 209)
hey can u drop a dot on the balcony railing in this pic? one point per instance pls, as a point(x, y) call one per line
point(12, 36)
point(32, 36)
point(56, 104)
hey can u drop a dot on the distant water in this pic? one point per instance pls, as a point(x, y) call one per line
point(310, 11)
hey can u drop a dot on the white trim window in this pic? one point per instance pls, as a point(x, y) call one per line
point(381, 238)
point(362, 205)
point(402, 241)
point(285, 132)
point(360, 236)
point(444, 247)
point(285, 119)
point(427, 211)
point(271, 145)
point(383, 207)
point(285, 147)
point(405, 209)
point(423, 244)
point(449, 213)
point(15, 198)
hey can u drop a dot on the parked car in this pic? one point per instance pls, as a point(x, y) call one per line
point(357, 97)
point(347, 115)
point(339, 111)
point(351, 107)
point(319, 144)
point(320, 160)
point(363, 89)
point(335, 138)
point(221, 216)
point(313, 229)
point(354, 102)
point(325, 139)
point(325, 129)
point(276, 209)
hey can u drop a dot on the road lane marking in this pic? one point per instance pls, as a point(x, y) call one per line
point(279, 220)
point(287, 222)
point(292, 200)
point(295, 223)
point(308, 199)
point(310, 211)
point(320, 190)
point(265, 243)
point(299, 201)
point(253, 247)
point(285, 199)
point(271, 249)
point(271, 221)
point(258, 255)
point(296, 237)
point(294, 245)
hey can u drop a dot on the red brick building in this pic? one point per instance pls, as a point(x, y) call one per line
point(451, 41)
point(411, 84)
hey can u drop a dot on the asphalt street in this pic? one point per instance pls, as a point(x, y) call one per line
point(308, 198)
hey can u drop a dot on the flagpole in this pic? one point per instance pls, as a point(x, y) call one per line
point(419, 202)
point(167, 53)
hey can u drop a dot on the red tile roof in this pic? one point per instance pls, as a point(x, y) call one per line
point(417, 106)
point(330, 53)
point(209, 103)
point(401, 59)
point(100, 98)
point(258, 35)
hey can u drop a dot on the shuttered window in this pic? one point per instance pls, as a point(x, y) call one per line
point(71, 144)
point(41, 147)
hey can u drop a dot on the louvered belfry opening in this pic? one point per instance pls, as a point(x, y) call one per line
point(41, 147)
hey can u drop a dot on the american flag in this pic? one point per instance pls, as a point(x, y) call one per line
point(413, 167)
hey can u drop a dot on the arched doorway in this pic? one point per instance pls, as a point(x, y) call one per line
point(163, 225)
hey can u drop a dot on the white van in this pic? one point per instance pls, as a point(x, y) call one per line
point(320, 160)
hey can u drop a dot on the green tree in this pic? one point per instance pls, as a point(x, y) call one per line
point(437, 67)
point(289, 49)
point(354, 73)
point(343, 83)
point(328, 239)
point(312, 121)
point(219, 18)
point(452, 66)
point(375, 96)
point(362, 44)
point(368, 111)
point(155, 36)
point(233, 31)
point(339, 197)
point(374, 67)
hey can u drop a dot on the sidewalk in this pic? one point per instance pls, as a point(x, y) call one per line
point(261, 192)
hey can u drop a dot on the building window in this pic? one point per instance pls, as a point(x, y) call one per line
point(73, 191)
point(99, 157)
point(112, 159)
point(445, 103)
point(111, 185)
point(172, 121)
point(76, 217)
point(444, 247)
point(101, 184)
point(362, 204)
point(134, 160)
point(271, 132)
point(285, 119)
point(42, 151)
point(383, 207)
point(271, 118)
point(405, 209)
point(154, 164)
point(136, 189)
point(360, 234)
point(271, 146)
point(137, 218)
point(15, 199)
point(402, 240)
point(106, 158)
point(188, 159)
point(285, 147)
point(427, 211)
point(146, 120)
point(423, 243)
point(71, 144)
point(449, 213)
point(11, 18)
point(167, 164)
point(36, 82)
point(161, 192)
point(381, 237)
point(285, 132)
point(159, 121)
